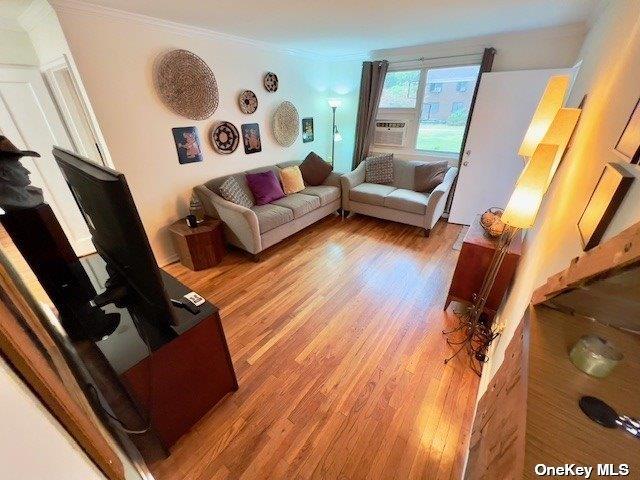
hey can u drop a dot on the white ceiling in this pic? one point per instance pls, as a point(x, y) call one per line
point(341, 27)
point(12, 9)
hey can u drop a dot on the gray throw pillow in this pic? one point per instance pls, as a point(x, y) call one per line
point(429, 175)
point(231, 190)
point(379, 169)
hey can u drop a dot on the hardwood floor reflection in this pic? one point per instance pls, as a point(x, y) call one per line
point(336, 341)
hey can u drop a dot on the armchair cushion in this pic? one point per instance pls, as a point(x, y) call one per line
point(407, 201)
point(429, 175)
point(370, 193)
point(379, 169)
point(314, 169)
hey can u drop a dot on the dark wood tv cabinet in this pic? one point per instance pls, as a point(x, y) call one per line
point(171, 385)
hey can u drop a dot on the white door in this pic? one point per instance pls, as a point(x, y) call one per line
point(490, 163)
point(28, 117)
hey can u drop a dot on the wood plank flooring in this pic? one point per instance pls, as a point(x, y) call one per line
point(335, 337)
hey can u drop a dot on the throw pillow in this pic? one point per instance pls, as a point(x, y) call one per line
point(379, 169)
point(291, 178)
point(232, 191)
point(429, 175)
point(315, 170)
point(265, 187)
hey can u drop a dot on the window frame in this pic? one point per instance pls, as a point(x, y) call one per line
point(412, 115)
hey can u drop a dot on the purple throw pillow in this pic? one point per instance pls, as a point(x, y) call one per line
point(265, 187)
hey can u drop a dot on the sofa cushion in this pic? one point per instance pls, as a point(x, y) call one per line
point(379, 169)
point(291, 180)
point(265, 187)
point(429, 175)
point(271, 216)
point(299, 203)
point(370, 193)
point(326, 193)
point(232, 190)
point(407, 201)
point(314, 169)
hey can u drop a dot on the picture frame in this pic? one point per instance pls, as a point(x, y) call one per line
point(606, 198)
point(251, 138)
point(307, 130)
point(188, 144)
point(628, 145)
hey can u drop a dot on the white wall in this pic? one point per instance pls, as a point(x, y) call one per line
point(545, 48)
point(609, 76)
point(16, 48)
point(115, 54)
point(33, 445)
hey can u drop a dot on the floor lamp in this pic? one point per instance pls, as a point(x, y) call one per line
point(520, 213)
point(335, 135)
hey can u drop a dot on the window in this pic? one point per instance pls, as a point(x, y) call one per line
point(400, 89)
point(434, 103)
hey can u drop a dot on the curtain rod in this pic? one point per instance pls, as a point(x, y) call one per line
point(422, 59)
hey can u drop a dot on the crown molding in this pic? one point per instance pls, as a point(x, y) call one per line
point(83, 8)
point(34, 14)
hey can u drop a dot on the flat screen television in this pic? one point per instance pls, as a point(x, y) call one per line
point(106, 203)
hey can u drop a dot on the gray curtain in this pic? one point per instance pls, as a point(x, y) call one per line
point(371, 83)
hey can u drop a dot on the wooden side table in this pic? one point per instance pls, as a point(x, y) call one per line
point(474, 260)
point(200, 247)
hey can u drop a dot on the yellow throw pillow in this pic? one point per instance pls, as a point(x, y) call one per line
point(291, 178)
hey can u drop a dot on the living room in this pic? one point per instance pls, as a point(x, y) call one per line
point(352, 217)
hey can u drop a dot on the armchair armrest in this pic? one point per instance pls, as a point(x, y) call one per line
point(241, 223)
point(438, 198)
point(349, 181)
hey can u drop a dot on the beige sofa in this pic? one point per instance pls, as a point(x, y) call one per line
point(256, 228)
point(397, 202)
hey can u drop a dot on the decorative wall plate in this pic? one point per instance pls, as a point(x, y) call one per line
point(225, 138)
point(270, 82)
point(286, 124)
point(248, 101)
point(186, 84)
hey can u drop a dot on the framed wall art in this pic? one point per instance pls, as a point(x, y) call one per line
point(629, 142)
point(613, 185)
point(251, 138)
point(187, 144)
point(307, 130)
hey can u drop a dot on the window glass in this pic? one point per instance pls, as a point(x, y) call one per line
point(442, 129)
point(400, 89)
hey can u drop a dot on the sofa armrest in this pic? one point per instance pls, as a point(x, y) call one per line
point(241, 223)
point(333, 180)
point(351, 180)
point(438, 198)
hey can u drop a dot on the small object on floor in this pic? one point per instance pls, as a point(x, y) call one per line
point(603, 414)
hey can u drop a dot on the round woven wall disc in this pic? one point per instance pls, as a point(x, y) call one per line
point(248, 101)
point(186, 84)
point(286, 124)
point(270, 82)
point(225, 138)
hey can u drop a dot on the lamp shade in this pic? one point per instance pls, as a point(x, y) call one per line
point(522, 208)
point(334, 103)
point(551, 101)
point(559, 133)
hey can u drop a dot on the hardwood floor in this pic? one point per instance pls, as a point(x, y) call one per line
point(336, 340)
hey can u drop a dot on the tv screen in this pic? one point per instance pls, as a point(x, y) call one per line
point(106, 203)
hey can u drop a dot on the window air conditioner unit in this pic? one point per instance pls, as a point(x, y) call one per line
point(389, 134)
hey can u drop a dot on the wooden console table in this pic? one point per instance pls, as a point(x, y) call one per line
point(474, 260)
